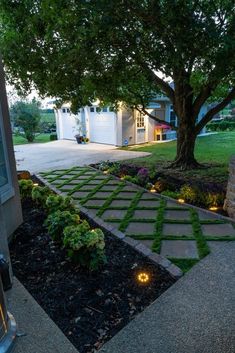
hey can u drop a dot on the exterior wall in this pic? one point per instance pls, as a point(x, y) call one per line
point(128, 127)
point(11, 206)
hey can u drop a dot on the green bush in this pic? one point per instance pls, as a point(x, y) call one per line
point(56, 223)
point(85, 246)
point(160, 185)
point(53, 137)
point(40, 195)
point(131, 179)
point(59, 203)
point(115, 168)
point(223, 125)
point(189, 194)
point(169, 193)
point(26, 187)
point(213, 199)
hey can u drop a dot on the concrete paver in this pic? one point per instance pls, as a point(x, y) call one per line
point(140, 228)
point(218, 230)
point(177, 229)
point(181, 249)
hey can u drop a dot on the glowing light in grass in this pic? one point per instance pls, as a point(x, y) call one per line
point(35, 184)
point(105, 172)
point(143, 277)
point(152, 190)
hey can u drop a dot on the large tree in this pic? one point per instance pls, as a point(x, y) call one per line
point(125, 50)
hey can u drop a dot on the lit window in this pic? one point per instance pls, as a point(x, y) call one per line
point(140, 120)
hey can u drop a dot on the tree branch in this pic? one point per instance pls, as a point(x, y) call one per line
point(142, 110)
point(209, 115)
point(165, 87)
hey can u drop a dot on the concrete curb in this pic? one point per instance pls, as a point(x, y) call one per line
point(161, 261)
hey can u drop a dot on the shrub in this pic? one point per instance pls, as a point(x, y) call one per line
point(149, 186)
point(56, 223)
point(104, 165)
point(53, 137)
point(131, 179)
point(59, 203)
point(169, 193)
point(213, 199)
point(40, 194)
point(25, 186)
point(85, 246)
point(160, 185)
point(115, 168)
point(189, 194)
point(143, 176)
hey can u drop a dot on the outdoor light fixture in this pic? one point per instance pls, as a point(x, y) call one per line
point(152, 190)
point(35, 184)
point(181, 201)
point(105, 172)
point(143, 277)
point(213, 208)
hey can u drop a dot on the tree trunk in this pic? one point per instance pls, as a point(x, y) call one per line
point(186, 138)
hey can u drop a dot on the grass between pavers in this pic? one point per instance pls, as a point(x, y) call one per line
point(130, 211)
point(184, 264)
point(159, 227)
point(202, 246)
point(109, 199)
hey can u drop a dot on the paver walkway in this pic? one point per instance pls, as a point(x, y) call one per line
point(176, 231)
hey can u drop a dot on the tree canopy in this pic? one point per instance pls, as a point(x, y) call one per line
point(127, 51)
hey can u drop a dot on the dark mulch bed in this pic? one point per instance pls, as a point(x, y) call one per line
point(89, 308)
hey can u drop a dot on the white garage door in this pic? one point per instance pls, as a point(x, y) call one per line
point(68, 125)
point(103, 128)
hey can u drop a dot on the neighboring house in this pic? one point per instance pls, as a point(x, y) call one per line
point(124, 127)
point(11, 216)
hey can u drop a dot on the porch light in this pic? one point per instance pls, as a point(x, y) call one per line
point(143, 277)
point(181, 200)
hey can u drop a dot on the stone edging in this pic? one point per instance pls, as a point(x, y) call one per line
point(160, 260)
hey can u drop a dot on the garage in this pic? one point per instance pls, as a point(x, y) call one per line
point(103, 127)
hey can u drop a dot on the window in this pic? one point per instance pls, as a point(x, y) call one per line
point(98, 110)
point(140, 120)
point(92, 109)
point(105, 110)
point(68, 110)
point(173, 117)
point(6, 189)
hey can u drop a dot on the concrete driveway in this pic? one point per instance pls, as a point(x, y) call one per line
point(61, 154)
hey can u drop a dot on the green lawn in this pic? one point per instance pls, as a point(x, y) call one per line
point(19, 140)
point(214, 150)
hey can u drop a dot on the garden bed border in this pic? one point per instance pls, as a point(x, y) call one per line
point(160, 260)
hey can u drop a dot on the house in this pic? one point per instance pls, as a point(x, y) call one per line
point(10, 206)
point(118, 128)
